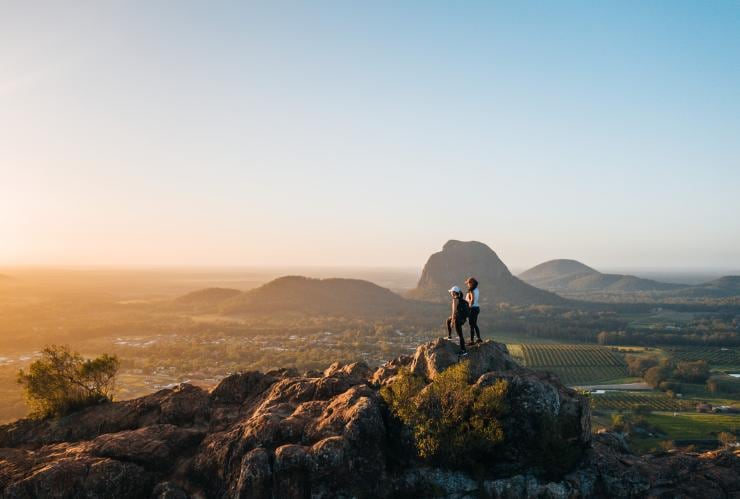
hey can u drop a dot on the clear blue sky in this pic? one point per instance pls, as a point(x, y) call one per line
point(369, 133)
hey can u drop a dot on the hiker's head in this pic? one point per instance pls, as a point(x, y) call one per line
point(472, 283)
point(455, 291)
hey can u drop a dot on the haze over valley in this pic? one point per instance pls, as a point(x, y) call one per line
point(198, 325)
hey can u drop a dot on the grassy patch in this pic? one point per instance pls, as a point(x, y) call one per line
point(685, 426)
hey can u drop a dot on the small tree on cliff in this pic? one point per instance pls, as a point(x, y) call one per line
point(453, 422)
point(62, 381)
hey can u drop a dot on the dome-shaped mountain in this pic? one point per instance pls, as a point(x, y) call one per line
point(459, 260)
point(332, 296)
point(551, 274)
point(573, 276)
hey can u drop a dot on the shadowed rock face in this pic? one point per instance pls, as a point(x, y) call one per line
point(284, 435)
point(459, 260)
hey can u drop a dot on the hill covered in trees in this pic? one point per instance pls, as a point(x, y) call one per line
point(297, 294)
point(573, 279)
point(723, 287)
point(565, 275)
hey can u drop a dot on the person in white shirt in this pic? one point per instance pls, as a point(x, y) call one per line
point(473, 297)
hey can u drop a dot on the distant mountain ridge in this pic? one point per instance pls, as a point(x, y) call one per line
point(723, 287)
point(332, 296)
point(573, 278)
point(459, 260)
point(572, 275)
point(208, 296)
point(338, 296)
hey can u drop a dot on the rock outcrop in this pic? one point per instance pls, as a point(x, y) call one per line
point(459, 260)
point(330, 434)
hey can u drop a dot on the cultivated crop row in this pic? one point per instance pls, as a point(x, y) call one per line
point(714, 355)
point(570, 355)
point(627, 401)
point(572, 363)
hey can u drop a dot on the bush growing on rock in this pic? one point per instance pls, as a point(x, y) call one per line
point(62, 381)
point(453, 422)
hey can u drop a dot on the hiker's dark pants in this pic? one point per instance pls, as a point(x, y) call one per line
point(473, 321)
point(458, 328)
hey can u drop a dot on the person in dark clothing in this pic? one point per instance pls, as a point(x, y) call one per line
point(458, 317)
point(473, 297)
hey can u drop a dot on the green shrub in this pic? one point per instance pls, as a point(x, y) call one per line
point(692, 371)
point(638, 364)
point(726, 385)
point(62, 381)
point(453, 422)
point(655, 375)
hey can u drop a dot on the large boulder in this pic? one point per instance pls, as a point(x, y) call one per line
point(436, 356)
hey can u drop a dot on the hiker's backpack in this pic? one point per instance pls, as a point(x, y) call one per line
point(463, 310)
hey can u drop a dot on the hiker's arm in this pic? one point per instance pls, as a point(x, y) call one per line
point(454, 309)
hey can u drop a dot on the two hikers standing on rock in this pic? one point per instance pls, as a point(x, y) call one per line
point(463, 309)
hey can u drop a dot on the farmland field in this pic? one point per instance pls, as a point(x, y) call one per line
point(686, 426)
point(695, 425)
point(572, 363)
point(725, 357)
point(627, 401)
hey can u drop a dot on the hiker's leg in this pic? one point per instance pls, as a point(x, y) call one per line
point(474, 329)
point(458, 328)
point(449, 327)
point(477, 329)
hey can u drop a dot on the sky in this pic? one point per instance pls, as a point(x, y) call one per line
point(369, 133)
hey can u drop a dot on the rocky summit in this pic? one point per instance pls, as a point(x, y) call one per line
point(282, 434)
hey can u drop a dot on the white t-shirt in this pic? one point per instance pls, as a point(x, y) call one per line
point(476, 294)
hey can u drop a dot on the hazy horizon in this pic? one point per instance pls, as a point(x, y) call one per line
point(313, 134)
point(400, 276)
